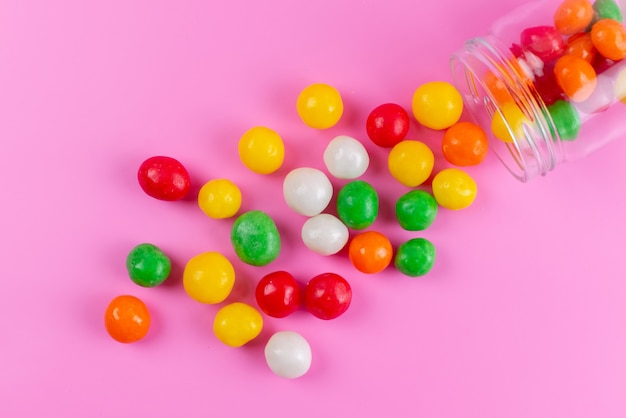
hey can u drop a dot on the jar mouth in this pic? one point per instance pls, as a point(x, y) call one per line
point(534, 147)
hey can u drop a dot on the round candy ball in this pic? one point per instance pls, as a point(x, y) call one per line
point(237, 324)
point(324, 234)
point(415, 257)
point(437, 105)
point(357, 204)
point(346, 158)
point(464, 144)
point(454, 189)
point(370, 252)
point(327, 296)
point(411, 162)
point(307, 191)
point(262, 150)
point(255, 238)
point(387, 125)
point(127, 319)
point(209, 277)
point(288, 354)
point(320, 106)
point(278, 294)
point(416, 210)
point(219, 199)
point(147, 265)
point(164, 178)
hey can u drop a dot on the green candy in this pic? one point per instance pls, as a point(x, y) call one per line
point(607, 9)
point(566, 119)
point(416, 210)
point(357, 204)
point(147, 265)
point(255, 238)
point(415, 257)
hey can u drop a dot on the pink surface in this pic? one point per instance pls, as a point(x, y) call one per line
point(523, 314)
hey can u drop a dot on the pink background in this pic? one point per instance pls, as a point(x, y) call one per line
point(523, 314)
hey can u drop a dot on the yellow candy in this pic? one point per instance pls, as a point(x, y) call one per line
point(620, 86)
point(209, 277)
point(515, 118)
point(437, 105)
point(237, 323)
point(219, 198)
point(454, 189)
point(261, 150)
point(320, 106)
point(411, 162)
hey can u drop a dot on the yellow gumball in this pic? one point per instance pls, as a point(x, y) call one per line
point(219, 199)
point(411, 162)
point(454, 189)
point(209, 277)
point(262, 150)
point(237, 323)
point(437, 105)
point(320, 106)
point(515, 119)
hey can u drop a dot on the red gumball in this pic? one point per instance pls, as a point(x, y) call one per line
point(387, 125)
point(327, 295)
point(278, 294)
point(164, 178)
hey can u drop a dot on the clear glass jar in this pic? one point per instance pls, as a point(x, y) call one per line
point(539, 105)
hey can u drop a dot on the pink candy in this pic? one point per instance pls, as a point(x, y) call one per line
point(543, 41)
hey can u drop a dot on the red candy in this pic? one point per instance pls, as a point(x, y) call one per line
point(544, 41)
point(387, 125)
point(164, 178)
point(278, 294)
point(547, 86)
point(327, 295)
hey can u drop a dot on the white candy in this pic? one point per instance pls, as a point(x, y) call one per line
point(601, 98)
point(324, 234)
point(307, 191)
point(288, 354)
point(346, 158)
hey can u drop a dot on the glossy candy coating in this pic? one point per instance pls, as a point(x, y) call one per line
point(237, 324)
point(370, 252)
point(209, 277)
point(609, 38)
point(327, 296)
point(464, 144)
point(497, 88)
point(219, 199)
point(387, 125)
point(164, 178)
point(580, 45)
point(573, 16)
point(357, 204)
point(544, 41)
point(346, 158)
point(576, 77)
point(566, 119)
point(607, 9)
point(307, 191)
point(255, 238)
point(416, 210)
point(148, 265)
point(415, 257)
point(278, 294)
point(261, 149)
point(324, 234)
point(437, 105)
point(127, 319)
point(513, 115)
point(320, 106)
point(411, 162)
point(288, 354)
point(454, 189)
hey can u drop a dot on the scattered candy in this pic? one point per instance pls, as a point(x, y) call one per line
point(237, 324)
point(278, 294)
point(387, 124)
point(209, 277)
point(411, 162)
point(566, 119)
point(416, 210)
point(346, 158)
point(324, 234)
point(515, 120)
point(327, 296)
point(127, 319)
point(288, 354)
point(576, 77)
point(370, 252)
point(164, 178)
point(320, 106)
point(609, 38)
point(607, 9)
point(454, 189)
point(255, 238)
point(219, 199)
point(147, 265)
point(262, 150)
point(544, 41)
point(437, 105)
point(573, 16)
point(307, 191)
point(415, 257)
point(357, 204)
point(465, 143)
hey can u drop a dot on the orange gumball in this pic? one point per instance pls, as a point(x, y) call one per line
point(573, 16)
point(580, 45)
point(576, 77)
point(609, 38)
point(370, 252)
point(127, 319)
point(465, 143)
point(497, 88)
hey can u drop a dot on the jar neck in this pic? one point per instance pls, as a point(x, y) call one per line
point(535, 148)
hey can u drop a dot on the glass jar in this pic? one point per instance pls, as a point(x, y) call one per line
point(548, 83)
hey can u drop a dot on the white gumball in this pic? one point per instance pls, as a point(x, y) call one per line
point(324, 234)
point(307, 191)
point(288, 354)
point(346, 158)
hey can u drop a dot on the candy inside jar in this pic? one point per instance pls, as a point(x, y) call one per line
point(548, 83)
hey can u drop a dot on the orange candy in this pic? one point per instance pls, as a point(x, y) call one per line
point(580, 45)
point(127, 319)
point(497, 88)
point(609, 38)
point(370, 252)
point(465, 143)
point(576, 77)
point(573, 16)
